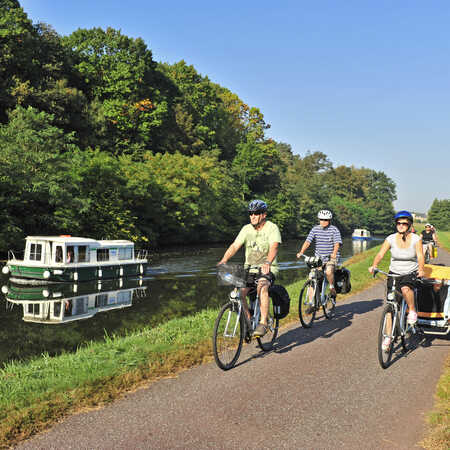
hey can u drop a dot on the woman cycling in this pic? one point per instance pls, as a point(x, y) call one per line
point(406, 259)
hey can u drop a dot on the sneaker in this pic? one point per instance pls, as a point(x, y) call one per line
point(412, 318)
point(386, 344)
point(260, 330)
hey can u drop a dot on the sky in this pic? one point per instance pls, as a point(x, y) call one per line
point(367, 83)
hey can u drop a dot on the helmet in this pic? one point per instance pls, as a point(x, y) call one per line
point(428, 225)
point(405, 214)
point(257, 206)
point(324, 214)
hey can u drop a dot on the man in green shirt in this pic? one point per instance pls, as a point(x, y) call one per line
point(261, 239)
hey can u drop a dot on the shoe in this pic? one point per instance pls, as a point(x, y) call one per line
point(412, 318)
point(260, 330)
point(386, 344)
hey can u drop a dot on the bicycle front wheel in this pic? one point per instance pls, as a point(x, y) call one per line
point(266, 341)
point(228, 336)
point(306, 304)
point(386, 336)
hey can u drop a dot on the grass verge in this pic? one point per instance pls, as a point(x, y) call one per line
point(37, 393)
point(438, 435)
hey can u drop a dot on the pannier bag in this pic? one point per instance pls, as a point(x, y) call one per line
point(342, 281)
point(281, 301)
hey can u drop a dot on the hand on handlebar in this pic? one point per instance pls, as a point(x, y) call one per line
point(299, 255)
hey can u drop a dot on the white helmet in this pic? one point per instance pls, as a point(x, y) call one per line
point(324, 214)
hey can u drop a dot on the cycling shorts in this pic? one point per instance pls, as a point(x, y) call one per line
point(405, 280)
point(253, 278)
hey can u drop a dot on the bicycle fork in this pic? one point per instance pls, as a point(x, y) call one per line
point(231, 325)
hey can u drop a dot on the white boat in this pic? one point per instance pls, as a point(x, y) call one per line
point(361, 234)
point(74, 259)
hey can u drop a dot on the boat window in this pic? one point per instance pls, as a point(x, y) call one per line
point(33, 308)
point(101, 300)
point(103, 254)
point(83, 253)
point(35, 252)
point(58, 254)
point(126, 253)
point(57, 309)
point(70, 254)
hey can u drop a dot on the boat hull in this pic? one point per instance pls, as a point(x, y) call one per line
point(359, 238)
point(52, 274)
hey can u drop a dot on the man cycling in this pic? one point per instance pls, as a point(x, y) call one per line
point(261, 239)
point(327, 239)
point(429, 238)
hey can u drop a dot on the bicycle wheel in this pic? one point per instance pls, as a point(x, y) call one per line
point(386, 331)
point(427, 255)
point(329, 304)
point(228, 336)
point(266, 341)
point(306, 306)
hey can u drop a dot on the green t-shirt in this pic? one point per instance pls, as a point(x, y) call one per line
point(257, 244)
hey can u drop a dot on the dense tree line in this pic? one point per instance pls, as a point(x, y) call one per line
point(98, 139)
point(439, 214)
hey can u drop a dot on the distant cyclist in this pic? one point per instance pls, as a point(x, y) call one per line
point(261, 239)
point(406, 259)
point(429, 238)
point(327, 240)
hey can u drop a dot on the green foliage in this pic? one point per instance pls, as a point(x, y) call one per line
point(439, 214)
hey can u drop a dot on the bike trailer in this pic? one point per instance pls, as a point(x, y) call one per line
point(281, 301)
point(342, 280)
point(433, 300)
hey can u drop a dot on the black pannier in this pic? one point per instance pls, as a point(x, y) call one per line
point(342, 281)
point(281, 301)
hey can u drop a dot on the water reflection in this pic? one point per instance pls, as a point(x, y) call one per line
point(57, 304)
point(359, 246)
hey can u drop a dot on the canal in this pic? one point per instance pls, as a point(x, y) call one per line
point(58, 318)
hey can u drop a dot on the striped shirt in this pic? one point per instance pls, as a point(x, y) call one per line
point(325, 239)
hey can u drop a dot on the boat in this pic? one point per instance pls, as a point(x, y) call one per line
point(67, 302)
point(361, 234)
point(67, 258)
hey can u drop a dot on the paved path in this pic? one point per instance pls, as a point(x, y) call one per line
point(320, 389)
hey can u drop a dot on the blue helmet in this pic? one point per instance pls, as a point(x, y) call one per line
point(405, 214)
point(257, 206)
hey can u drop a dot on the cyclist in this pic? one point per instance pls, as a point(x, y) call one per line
point(261, 239)
point(406, 258)
point(429, 238)
point(328, 240)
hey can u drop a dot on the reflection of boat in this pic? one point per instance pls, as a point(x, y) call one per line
point(67, 258)
point(361, 234)
point(69, 302)
point(359, 246)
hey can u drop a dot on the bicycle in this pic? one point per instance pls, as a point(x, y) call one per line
point(231, 326)
point(393, 323)
point(426, 251)
point(315, 293)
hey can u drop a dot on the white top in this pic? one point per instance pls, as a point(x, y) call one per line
point(403, 260)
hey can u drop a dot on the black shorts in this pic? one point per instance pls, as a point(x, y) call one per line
point(252, 278)
point(405, 280)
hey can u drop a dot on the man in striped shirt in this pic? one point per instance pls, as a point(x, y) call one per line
point(327, 240)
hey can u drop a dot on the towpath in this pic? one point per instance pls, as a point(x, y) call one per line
point(320, 389)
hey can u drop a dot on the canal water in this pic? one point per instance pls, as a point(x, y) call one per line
point(61, 317)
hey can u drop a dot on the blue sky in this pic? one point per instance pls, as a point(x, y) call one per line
point(367, 83)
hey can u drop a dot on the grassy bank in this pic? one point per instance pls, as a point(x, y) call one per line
point(37, 393)
point(438, 437)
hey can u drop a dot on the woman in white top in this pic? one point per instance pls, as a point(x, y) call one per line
point(406, 259)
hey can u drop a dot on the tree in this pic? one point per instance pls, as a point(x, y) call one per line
point(439, 214)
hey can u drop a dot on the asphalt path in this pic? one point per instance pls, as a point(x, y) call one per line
point(321, 388)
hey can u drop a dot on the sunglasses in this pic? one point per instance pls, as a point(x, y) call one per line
point(254, 213)
point(402, 223)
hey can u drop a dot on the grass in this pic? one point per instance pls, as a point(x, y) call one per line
point(37, 393)
point(438, 436)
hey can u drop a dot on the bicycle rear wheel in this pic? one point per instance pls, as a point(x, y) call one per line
point(329, 304)
point(386, 331)
point(266, 341)
point(228, 336)
point(306, 305)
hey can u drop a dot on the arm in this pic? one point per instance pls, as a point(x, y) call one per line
point(305, 246)
point(230, 252)
point(379, 256)
point(273, 250)
point(420, 258)
point(435, 239)
point(335, 250)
